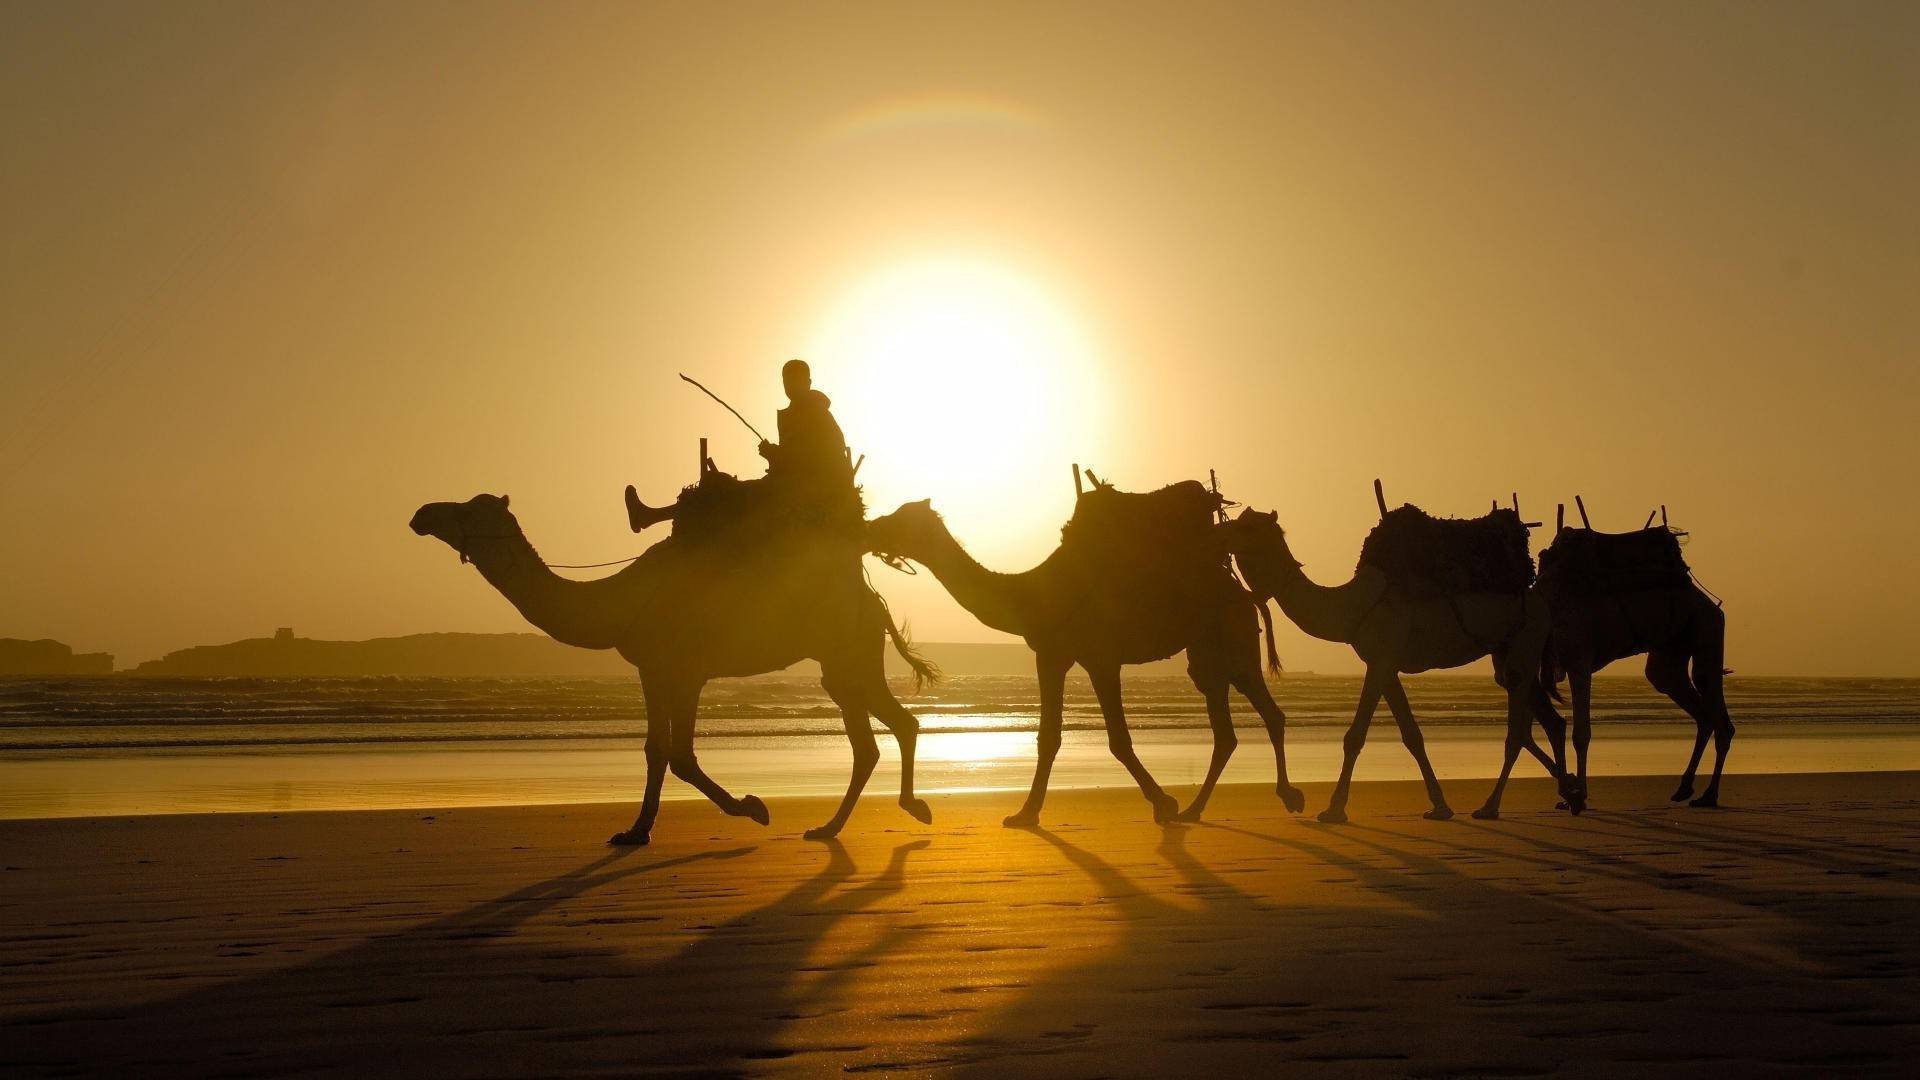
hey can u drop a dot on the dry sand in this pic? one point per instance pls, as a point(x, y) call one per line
point(1775, 937)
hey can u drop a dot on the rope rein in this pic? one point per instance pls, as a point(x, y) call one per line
point(465, 556)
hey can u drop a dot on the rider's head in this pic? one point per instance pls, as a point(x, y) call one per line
point(796, 377)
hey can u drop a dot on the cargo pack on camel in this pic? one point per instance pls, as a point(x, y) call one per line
point(1423, 555)
point(1583, 562)
point(1145, 526)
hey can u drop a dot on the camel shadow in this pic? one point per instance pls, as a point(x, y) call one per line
point(1427, 963)
point(485, 991)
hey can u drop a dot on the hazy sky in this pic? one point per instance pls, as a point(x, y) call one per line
point(272, 275)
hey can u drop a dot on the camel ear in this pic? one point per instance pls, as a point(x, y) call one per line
point(1272, 516)
point(506, 501)
point(926, 504)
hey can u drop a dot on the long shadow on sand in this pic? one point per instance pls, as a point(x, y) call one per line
point(481, 992)
point(1437, 965)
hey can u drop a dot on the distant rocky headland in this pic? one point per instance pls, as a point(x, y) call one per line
point(48, 657)
point(526, 656)
point(519, 656)
point(287, 656)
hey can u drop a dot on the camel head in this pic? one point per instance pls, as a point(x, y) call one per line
point(1259, 545)
point(462, 525)
point(907, 533)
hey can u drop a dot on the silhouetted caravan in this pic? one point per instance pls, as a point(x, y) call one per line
point(691, 609)
point(1615, 595)
point(1428, 594)
point(1137, 577)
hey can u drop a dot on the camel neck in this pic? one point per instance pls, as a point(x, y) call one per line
point(580, 613)
point(1001, 601)
point(1329, 613)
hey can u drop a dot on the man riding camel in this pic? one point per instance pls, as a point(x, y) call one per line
point(811, 450)
point(808, 466)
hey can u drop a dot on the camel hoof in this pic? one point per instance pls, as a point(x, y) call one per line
point(630, 838)
point(1330, 816)
point(1165, 808)
point(1561, 805)
point(1487, 813)
point(1681, 793)
point(918, 810)
point(1291, 798)
point(1439, 813)
point(1189, 816)
point(1709, 801)
point(1022, 820)
point(752, 807)
point(824, 832)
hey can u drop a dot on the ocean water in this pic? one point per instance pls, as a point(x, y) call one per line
point(121, 745)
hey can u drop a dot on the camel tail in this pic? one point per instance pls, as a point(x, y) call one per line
point(1273, 650)
point(1550, 675)
point(924, 670)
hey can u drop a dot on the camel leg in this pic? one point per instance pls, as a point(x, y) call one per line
point(1370, 690)
point(1667, 673)
point(685, 766)
point(1220, 719)
point(1243, 671)
point(1053, 691)
point(1520, 737)
point(1555, 727)
point(1106, 687)
point(853, 712)
point(1416, 744)
point(906, 734)
point(659, 736)
point(1709, 676)
point(1580, 684)
point(1552, 724)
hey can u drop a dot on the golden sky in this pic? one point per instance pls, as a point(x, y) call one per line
point(274, 275)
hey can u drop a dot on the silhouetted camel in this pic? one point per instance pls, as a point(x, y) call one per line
point(1676, 625)
point(1067, 622)
point(684, 613)
point(1394, 634)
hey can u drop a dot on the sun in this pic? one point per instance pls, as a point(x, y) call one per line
point(963, 380)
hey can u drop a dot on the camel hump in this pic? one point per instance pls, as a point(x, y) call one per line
point(1424, 555)
point(1178, 517)
point(1584, 561)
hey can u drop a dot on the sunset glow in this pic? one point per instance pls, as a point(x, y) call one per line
point(959, 376)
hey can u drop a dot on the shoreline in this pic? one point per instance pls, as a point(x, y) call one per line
point(93, 783)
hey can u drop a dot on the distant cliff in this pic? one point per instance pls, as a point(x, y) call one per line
point(520, 656)
point(506, 655)
point(48, 657)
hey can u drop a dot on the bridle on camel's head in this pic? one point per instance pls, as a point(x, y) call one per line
point(465, 538)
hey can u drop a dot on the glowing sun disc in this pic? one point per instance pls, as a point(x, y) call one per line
point(965, 382)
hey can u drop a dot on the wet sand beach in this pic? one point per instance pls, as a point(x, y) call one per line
point(1773, 937)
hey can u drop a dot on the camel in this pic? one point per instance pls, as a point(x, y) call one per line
point(1673, 622)
point(1067, 622)
point(1394, 634)
point(684, 613)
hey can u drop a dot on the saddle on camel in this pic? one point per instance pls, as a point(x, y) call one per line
point(1422, 555)
point(1153, 531)
point(1160, 543)
point(1587, 562)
